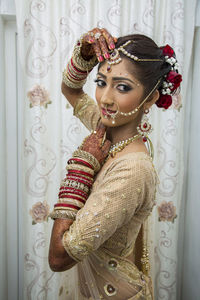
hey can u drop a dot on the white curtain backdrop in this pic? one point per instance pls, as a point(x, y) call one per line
point(47, 31)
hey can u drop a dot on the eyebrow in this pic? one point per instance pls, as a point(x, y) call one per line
point(116, 78)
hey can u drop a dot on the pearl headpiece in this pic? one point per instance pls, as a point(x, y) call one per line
point(115, 56)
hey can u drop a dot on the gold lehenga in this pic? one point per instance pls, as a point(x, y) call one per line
point(106, 228)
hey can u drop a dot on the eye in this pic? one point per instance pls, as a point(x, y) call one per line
point(123, 88)
point(100, 82)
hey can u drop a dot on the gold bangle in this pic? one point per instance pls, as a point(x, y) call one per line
point(80, 168)
point(81, 63)
point(63, 215)
point(73, 85)
point(88, 157)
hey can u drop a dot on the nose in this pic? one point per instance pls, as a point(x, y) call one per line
point(107, 98)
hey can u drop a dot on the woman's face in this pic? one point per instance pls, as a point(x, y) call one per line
point(118, 90)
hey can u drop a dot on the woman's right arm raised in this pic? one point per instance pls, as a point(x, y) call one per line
point(92, 48)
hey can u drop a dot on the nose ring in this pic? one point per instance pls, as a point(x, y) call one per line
point(112, 115)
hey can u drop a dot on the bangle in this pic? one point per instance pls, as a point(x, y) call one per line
point(71, 196)
point(88, 157)
point(78, 160)
point(80, 168)
point(81, 63)
point(72, 181)
point(62, 214)
point(70, 190)
point(57, 205)
point(81, 186)
point(74, 76)
point(80, 172)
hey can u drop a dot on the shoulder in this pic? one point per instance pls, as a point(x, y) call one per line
point(139, 162)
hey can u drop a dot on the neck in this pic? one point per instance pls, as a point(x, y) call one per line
point(123, 132)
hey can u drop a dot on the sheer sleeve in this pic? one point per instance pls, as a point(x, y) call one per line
point(126, 186)
point(87, 111)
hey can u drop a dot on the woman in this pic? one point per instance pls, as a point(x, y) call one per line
point(109, 190)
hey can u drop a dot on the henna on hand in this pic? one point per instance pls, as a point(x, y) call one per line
point(97, 42)
point(96, 144)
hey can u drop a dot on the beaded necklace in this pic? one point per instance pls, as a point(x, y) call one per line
point(114, 149)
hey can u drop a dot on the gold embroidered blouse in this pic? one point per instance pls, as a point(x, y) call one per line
point(106, 228)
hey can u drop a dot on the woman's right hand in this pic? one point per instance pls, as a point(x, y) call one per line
point(97, 42)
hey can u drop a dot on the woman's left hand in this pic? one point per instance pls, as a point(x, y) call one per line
point(97, 144)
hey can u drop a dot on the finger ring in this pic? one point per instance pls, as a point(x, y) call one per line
point(97, 35)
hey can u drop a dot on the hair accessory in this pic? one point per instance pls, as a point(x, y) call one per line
point(171, 81)
point(115, 56)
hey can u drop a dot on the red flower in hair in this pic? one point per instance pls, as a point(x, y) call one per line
point(174, 78)
point(164, 101)
point(167, 51)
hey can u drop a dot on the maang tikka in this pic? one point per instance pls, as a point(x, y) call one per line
point(115, 56)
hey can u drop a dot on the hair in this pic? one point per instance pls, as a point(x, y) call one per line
point(148, 73)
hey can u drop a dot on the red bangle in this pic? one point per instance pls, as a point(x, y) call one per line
point(73, 190)
point(71, 160)
point(67, 196)
point(80, 172)
point(72, 76)
point(74, 193)
point(77, 176)
point(79, 71)
point(66, 205)
point(73, 178)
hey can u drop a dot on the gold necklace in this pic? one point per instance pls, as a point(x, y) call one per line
point(114, 149)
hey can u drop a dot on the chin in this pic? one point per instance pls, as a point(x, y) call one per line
point(108, 122)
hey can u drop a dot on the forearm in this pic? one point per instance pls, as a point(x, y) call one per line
point(59, 260)
point(71, 94)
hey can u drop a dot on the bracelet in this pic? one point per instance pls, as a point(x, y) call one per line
point(64, 192)
point(74, 189)
point(77, 160)
point(71, 196)
point(58, 205)
point(70, 201)
point(89, 171)
point(88, 157)
point(81, 63)
point(81, 186)
point(62, 214)
point(86, 175)
point(76, 72)
point(72, 181)
point(70, 189)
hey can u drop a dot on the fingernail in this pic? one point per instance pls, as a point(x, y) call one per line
point(100, 58)
point(112, 46)
point(107, 55)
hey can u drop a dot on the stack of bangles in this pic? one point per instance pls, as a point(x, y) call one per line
point(77, 70)
point(75, 188)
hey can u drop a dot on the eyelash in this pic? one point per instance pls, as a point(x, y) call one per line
point(126, 89)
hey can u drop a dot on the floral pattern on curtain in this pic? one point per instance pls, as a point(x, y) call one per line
point(47, 31)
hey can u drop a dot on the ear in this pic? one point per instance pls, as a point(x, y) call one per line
point(153, 100)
